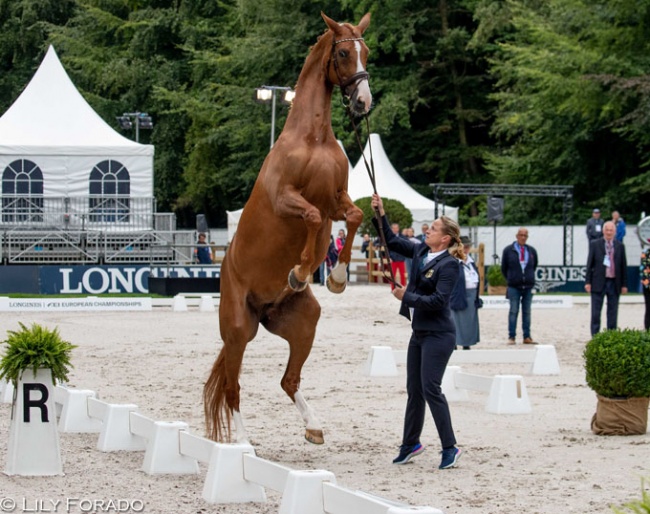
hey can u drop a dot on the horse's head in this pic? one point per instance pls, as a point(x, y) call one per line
point(347, 63)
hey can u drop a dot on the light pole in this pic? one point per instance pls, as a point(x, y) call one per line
point(266, 94)
point(141, 120)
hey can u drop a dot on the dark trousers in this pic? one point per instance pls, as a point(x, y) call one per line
point(612, 306)
point(427, 357)
point(646, 297)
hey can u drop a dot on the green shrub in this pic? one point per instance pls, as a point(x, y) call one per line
point(35, 347)
point(395, 211)
point(617, 363)
point(494, 276)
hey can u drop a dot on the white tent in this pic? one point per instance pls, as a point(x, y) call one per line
point(391, 185)
point(52, 127)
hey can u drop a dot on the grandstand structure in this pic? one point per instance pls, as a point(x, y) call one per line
point(72, 189)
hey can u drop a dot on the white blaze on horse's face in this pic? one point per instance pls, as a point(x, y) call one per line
point(362, 96)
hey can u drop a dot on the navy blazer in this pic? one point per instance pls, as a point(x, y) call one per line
point(430, 286)
point(596, 269)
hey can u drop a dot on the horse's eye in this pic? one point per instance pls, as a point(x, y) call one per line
point(343, 54)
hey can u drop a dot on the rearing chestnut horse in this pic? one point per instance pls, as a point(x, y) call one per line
point(284, 231)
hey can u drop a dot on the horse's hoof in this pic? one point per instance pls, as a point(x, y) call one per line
point(335, 287)
point(296, 284)
point(314, 436)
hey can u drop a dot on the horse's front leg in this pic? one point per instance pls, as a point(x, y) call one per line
point(292, 204)
point(353, 216)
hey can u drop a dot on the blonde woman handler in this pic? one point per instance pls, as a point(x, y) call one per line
point(425, 302)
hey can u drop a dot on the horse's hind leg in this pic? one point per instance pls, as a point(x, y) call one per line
point(238, 326)
point(295, 320)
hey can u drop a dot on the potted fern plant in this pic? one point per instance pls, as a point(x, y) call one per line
point(35, 348)
point(35, 358)
point(496, 281)
point(617, 365)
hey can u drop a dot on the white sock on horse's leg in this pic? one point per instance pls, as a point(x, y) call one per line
point(242, 436)
point(340, 273)
point(306, 412)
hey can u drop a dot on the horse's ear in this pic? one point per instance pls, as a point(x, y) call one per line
point(363, 24)
point(333, 26)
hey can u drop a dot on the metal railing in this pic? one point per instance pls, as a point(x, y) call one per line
point(85, 213)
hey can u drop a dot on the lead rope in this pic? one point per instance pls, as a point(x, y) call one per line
point(370, 167)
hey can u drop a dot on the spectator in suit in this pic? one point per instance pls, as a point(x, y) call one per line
point(606, 276)
point(518, 264)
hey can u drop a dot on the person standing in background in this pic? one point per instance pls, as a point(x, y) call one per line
point(423, 235)
point(645, 285)
point(619, 223)
point(594, 226)
point(340, 241)
point(202, 253)
point(518, 264)
point(397, 261)
point(606, 276)
point(465, 300)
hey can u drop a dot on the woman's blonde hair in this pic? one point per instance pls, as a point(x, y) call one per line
point(452, 229)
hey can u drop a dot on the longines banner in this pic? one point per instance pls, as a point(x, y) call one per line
point(92, 280)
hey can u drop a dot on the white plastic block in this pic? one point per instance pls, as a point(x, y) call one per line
point(508, 396)
point(380, 362)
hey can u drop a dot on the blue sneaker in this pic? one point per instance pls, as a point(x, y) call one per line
point(406, 452)
point(449, 458)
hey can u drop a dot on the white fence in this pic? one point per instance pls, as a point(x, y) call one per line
point(235, 474)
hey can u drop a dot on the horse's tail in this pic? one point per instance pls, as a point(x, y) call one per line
point(214, 401)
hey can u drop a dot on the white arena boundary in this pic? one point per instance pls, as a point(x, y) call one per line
point(234, 475)
point(507, 393)
point(382, 360)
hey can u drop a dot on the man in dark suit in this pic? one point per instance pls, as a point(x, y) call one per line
point(606, 276)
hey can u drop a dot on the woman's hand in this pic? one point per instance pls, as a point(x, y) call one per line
point(399, 291)
point(377, 204)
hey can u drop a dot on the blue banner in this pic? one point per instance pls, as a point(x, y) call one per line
point(92, 280)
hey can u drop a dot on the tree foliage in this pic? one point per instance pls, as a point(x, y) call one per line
point(507, 91)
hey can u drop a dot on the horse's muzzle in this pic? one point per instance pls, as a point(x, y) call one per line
point(360, 96)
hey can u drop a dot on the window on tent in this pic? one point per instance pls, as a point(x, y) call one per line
point(109, 188)
point(22, 192)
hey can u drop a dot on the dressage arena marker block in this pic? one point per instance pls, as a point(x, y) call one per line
point(6, 391)
point(380, 362)
point(542, 358)
point(303, 492)
point(115, 434)
point(507, 393)
point(206, 304)
point(33, 447)
point(162, 455)
point(74, 410)
point(179, 304)
point(225, 481)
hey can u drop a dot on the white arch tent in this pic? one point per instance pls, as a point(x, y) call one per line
point(51, 125)
point(391, 185)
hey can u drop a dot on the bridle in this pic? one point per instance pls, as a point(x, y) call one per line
point(354, 79)
point(370, 167)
